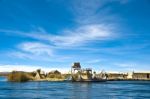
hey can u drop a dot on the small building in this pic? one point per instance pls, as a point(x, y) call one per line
point(80, 74)
point(129, 75)
point(141, 75)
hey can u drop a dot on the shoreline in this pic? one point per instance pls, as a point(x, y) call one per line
point(64, 80)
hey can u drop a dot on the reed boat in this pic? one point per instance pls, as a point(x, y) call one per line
point(79, 74)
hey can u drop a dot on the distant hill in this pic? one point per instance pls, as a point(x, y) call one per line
point(4, 73)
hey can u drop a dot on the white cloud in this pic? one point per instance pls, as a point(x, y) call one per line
point(91, 30)
point(92, 26)
point(29, 56)
point(37, 51)
point(29, 68)
point(83, 34)
point(33, 51)
point(21, 55)
point(36, 48)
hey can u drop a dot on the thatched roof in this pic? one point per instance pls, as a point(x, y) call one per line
point(54, 72)
point(76, 65)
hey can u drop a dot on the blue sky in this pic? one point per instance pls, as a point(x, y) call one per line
point(112, 35)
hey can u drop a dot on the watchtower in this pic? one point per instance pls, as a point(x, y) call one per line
point(76, 71)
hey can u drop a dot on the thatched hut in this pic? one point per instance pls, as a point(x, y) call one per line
point(19, 76)
point(54, 74)
point(40, 74)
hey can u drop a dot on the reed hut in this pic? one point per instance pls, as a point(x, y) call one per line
point(40, 74)
point(54, 74)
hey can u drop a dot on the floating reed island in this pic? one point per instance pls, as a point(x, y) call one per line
point(77, 74)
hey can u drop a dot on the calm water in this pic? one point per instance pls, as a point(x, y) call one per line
point(66, 90)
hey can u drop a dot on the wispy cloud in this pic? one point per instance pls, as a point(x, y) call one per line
point(83, 35)
point(93, 27)
point(75, 37)
point(87, 12)
point(94, 11)
point(37, 51)
point(36, 48)
point(47, 44)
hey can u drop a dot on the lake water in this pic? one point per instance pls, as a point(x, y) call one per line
point(68, 90)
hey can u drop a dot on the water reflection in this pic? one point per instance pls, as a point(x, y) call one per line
point(81, 90)
point(3, 78)
point(64, 90)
